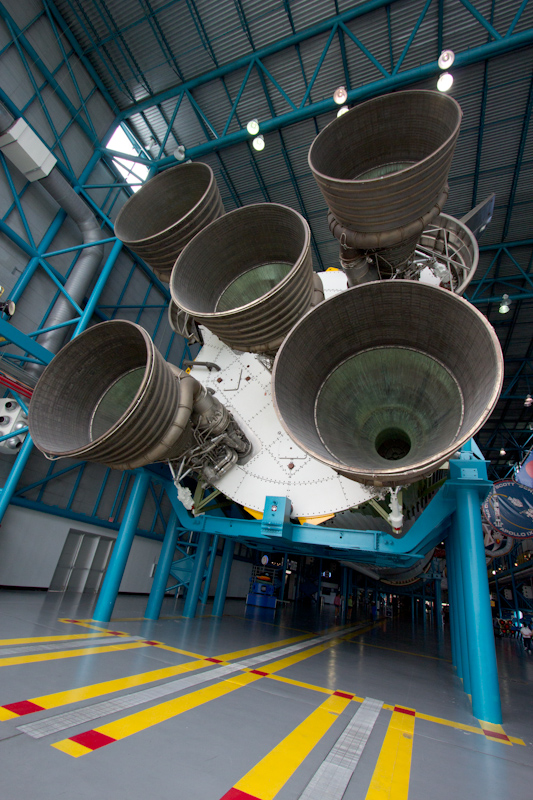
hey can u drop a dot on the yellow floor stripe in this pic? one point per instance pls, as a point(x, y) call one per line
point(88, 624)
point(262, 647)
point(390, 780)
point(107, 687)
point(164, 711)
point(86, 651)
point(141, 720)
point(266, 779)
point(405, 652)
point(58, 638)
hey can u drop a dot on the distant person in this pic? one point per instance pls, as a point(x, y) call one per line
point(350, 606)
point(526, 632)
point(337, 604)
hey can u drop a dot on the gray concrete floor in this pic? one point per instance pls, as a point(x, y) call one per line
point(201, 753)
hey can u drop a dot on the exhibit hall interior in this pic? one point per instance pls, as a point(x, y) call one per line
point(266, 425)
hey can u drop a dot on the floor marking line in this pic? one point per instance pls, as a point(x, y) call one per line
point(89, 624)
point(405, 652)
point(54, 646)
point(127, 726)
point(58, 638)
point(86, 651)
point(141, 720)
point(390, 780)
point(262, 647)
point(333, 775)
point(44, 727)
point(269, 775)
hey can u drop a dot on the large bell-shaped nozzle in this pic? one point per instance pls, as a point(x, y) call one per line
point(167, 211)
point(109, 396)
point(248, 276)
point(382, 169)
point(384, 382)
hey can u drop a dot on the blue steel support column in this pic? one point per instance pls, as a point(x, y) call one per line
point(344, 593)
point(195, 584)
point(121, 550)
point(155, 601)
point(13, 478)
point(283, 577)
point(223, 577)
point(462, 610)
point(438, 606)
point(211, 566)
point(452, 605)
point(481, 650)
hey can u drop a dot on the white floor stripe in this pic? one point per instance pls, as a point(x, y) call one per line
point(20, 650)
point(60, 722)
point(332, 777)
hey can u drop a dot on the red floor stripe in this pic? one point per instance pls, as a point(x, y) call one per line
point(344, 694)
point(92, 739)
point(23, 707)
point(496, 735)
point(405, 711)
point(258, 672)
point(150, 642)
point(236, 794)
point(215, 660)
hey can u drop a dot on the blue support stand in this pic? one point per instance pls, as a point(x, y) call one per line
point(195, 584)
point(211, 566)
point(478, 622)
point(223, 577)
point(157, 594)
point(121, 550)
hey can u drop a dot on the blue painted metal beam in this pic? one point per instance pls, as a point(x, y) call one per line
point(381, 86)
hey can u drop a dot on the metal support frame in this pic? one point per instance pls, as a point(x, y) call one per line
point(121, 549)
point(223, 577)
point(198, 573)
point(157, 593)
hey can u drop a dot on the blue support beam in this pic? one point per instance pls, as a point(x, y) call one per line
point(374, 88)
point(121, 549)
point(195, 584)
point(223, 577)
point(157, 593)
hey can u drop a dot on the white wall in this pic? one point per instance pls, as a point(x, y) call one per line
point(31, 543)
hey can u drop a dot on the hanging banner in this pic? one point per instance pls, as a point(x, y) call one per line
point(525, 473)
point(509, 509)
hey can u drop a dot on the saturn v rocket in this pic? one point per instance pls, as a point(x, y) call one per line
point(323, 387)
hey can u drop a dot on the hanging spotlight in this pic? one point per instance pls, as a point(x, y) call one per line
point(528, 401)
point(505, 304)
point(340, 95)
point(342, 110)
point(253, 127)
point(503, 452)
point(179, 153)
point(446, 59)
point(259, 143)
point(445, 82)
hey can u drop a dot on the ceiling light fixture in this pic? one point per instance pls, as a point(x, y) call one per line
point(342, 110)
point(528, 401)
point(179, 153)
point(446, 59)
point(340, 95)
point(503, 452)
point(445, 82)
point(259, 143)
point(253, 127)
point(505, 304)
